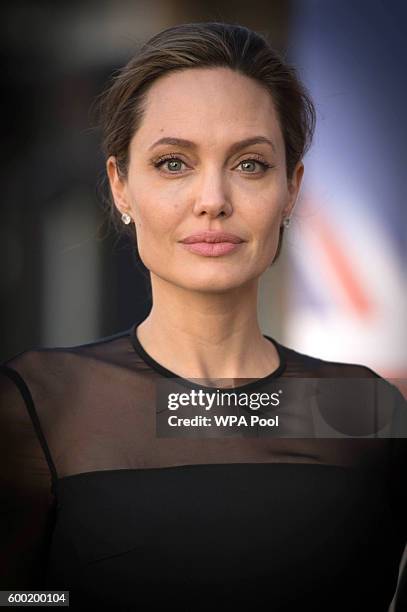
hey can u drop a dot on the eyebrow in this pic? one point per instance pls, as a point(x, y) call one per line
point(241, 144)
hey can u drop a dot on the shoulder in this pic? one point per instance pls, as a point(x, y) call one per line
point(352, 385)
point(40, 374)
point(31, 369)
point(45, 361)
point(299, 363)
point(302, 365)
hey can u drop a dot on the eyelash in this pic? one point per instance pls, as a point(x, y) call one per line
point(161, 160)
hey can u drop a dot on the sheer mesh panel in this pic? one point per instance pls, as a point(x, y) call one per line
point(91, 496)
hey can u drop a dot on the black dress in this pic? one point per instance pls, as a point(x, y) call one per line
point(95, 502)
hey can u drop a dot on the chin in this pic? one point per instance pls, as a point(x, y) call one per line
point(213, 283)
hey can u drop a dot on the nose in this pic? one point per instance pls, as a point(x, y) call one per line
point(211, 194)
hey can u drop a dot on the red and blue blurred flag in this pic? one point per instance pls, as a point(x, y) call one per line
point(348, 239)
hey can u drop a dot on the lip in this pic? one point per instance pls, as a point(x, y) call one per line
point(212, 249)
point(212, 237)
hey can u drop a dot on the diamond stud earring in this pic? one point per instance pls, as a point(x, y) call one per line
point(126, 218)
point(286, 221)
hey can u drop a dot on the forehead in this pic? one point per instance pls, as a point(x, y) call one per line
point(208, 105)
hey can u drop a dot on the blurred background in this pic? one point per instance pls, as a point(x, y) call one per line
point(338, 290)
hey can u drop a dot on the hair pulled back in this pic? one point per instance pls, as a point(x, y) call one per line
point(203, 45)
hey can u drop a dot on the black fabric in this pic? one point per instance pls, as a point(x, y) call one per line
point(95, 503)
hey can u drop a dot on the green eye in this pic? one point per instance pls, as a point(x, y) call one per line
point(250, 163)
point(172, 164)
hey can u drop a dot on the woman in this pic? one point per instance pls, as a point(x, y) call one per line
point(204, 134)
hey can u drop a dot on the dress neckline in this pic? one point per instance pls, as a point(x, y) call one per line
point(163, 371)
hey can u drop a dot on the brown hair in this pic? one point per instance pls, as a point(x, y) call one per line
point(202, 45)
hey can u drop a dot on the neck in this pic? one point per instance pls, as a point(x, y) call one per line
point(207, 335)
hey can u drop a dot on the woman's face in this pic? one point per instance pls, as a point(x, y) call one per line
point(213, 182)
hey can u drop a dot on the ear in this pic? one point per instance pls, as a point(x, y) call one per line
point(118, 186)
point(294, 185)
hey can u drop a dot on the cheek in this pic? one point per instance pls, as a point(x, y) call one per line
point(157, 219)
point(265, 218)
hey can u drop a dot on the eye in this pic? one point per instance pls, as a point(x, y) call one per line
point(174, 163)
point(249, 165)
